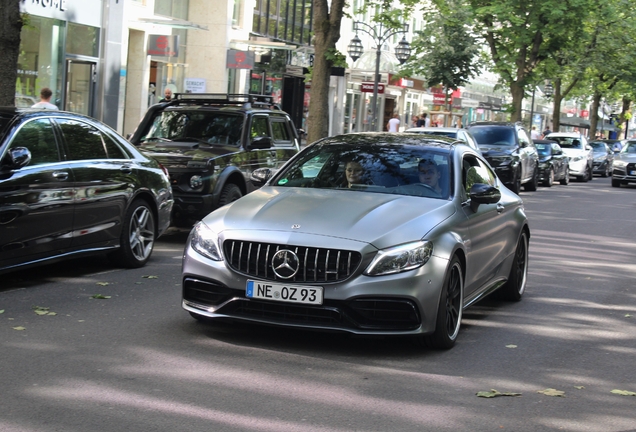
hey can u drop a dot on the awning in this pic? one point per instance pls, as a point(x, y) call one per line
point(575, 122)
point(607, 127)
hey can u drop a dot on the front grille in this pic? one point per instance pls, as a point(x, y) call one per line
point(315, 264)
point(204, 292)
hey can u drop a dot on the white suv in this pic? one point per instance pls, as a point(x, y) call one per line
point(580, 152)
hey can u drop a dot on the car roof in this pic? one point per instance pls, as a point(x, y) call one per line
point(564, 134)
point(243, 103)
point(433, 129)
point(392, 138)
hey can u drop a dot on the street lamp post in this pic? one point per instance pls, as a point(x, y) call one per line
point(380, 36)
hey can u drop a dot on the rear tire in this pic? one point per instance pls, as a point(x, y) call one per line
point(531, 186)
point(137, 236)
point(566, 179)
point(449, 311)
point(514, 288)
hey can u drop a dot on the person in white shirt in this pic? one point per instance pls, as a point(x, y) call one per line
point(45, 100)
point(393, 124)
point(534, 133)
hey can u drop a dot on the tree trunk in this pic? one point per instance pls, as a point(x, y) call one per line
point(625, 116)
point(596, 100)
point(556, 112)
point(10, 28)
point(517, 93)
point(326, 33)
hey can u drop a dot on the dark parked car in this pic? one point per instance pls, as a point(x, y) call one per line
point(211, 143)
point(603, 158)
point(70, 185)
point(374, 233)
point(553, 164)
point(510, 151)
point(450, 132)
point(624, 166)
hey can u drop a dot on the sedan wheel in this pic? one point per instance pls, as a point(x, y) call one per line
point(606, 173)
point(566, 177)
point(516, 284)
point(137, 236)
point(549, 179)
point(449, 312)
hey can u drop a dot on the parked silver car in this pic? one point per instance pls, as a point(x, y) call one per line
point(374, 233)
point(576, 147)
point(624, 165)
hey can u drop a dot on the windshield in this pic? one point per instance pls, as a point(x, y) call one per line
point(629, 147)
point(400, 170)
point(203, 126)
point(494, 135)
point(598, 146)
point(543, 149)
point(441, 133)
point(568, 142)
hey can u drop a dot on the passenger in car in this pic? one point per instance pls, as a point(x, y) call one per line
point(354, 173)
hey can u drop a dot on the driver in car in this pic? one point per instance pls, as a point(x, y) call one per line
point(429, 174)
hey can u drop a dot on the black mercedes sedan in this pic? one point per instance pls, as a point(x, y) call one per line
point(553, 164)
point(70, 185)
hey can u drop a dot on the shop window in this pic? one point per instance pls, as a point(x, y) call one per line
point(172, 8)
point(82, 40)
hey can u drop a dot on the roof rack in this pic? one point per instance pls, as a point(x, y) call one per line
point(223, 99)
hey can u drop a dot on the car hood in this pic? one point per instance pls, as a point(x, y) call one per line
point(178, 153)
point(627, 157)
point(379, 219)
point(491, 151)
point(575, 152)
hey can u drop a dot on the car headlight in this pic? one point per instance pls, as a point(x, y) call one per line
point(196, 182)
point(619, 164)
point(206, 242)
point(400, 258)
point(577, 158)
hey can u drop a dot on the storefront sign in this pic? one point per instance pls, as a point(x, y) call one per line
point(55, 4)
point(439, 98)
point(240, 59)
point(457, 102)
point(194, 85)
point(367, 87)
point(165, 46)
point(403, 82)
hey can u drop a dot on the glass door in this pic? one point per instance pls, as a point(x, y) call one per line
point(79, 86)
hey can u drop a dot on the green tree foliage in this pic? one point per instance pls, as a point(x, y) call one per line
point(446, 51)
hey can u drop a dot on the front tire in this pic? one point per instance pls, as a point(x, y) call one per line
point(549, 179)
point(230, 193)
point(137, 236)
point(514, 288)
point(449, 311)
point(566, 178)
point(616, 183)
point(531, 186)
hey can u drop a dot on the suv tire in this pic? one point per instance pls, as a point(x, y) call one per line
point(230, 193)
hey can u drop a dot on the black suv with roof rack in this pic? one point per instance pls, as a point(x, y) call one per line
point(510, 151)
point(211, 144)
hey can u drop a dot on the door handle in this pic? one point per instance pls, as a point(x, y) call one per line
point(500, 208)
point(60, 175)
point(126, 169)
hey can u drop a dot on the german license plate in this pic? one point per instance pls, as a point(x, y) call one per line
point(284, 293)
point(632, 173)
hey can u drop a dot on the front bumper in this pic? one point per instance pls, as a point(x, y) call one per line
point(599, 167)
point(578, 168)
point(625, 173)
point(192, 206)
point(400, 304)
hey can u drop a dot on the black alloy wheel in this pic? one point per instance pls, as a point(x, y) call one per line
point(566, 177)
point(449, 311)
point(514, 288)
point(230, 193)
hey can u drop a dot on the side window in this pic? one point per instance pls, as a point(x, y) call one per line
point(260, 127)
point(83, 141)
point(113, 151)
point(474, 171)
point(280, 131)
point(38, 137)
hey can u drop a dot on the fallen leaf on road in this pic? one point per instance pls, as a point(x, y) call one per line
point(1, 311)
point(511, 346)
point(103, 283)
point(579, 387)
point(150, 277)
point(494, 393)
point(624, 392)
point(19, 328)
point(43, 311)
point(627, 315)
point(552, 392)
point(100, 296)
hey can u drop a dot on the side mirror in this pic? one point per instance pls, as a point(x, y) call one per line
point(260, 176)
point(523, 144)
point(18, 157)
point(261, 142)
point(481, 193)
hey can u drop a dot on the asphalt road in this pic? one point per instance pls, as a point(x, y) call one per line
point(137, 362)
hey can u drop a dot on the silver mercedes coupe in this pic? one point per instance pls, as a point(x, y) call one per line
point(371, 233)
